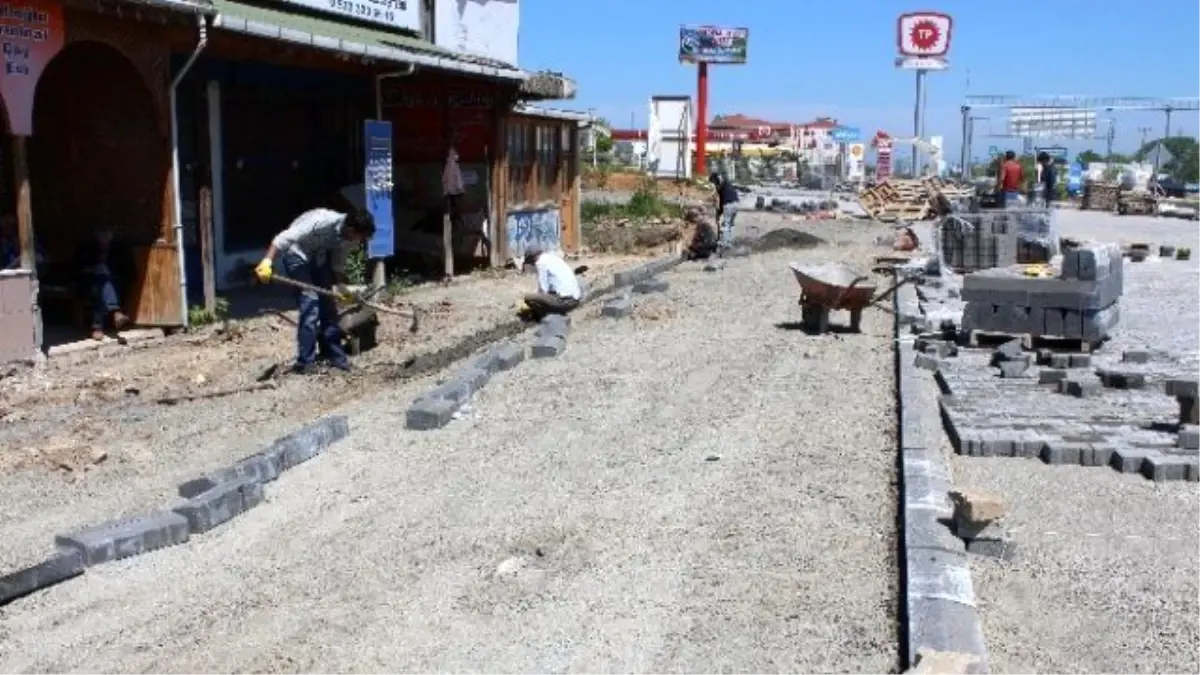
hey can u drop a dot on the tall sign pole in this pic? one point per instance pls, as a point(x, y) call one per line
point(703, 45)
point(922, 43)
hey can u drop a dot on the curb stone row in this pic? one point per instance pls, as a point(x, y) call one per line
point(939, 599)
point(208, 502)
point(437, 407)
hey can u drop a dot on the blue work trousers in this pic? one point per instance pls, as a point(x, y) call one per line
point(317, 331)
point(104, 296)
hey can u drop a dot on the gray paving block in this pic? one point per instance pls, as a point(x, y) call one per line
point(651, 286)
point(1055, 324)
point(1090, 261)
point(1051, 376)
point(630, 277)
point(618, 307)
point(1014, 369)
point(1080, 360)
point(1189, 437)
point(220, 504)
point(1189, 411)
point(1060, 360)
point(927, 362)
point(999, 549)
point(1121, 379)
point(935, 572)
point(1135, 356)
point(311, 440)
point(1101, 455)
point(126, 537)
point(548, 346)
point(262, 467)
point(945, 625)
point(63, 564)
point(1079, 387)
point(1182, 388)
point(558, 325)
point(997, 443)
point(1043, 356)
point(1166, 252)
point(1091, 325)
point(500, 358)
point(1129, 459)
point(714, 265)
point(1164, 467)
point(461, 385)
point(1063, 452)
point(430, 413)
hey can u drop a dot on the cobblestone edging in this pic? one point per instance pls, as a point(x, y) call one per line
point(939, 612)
point(437, 407)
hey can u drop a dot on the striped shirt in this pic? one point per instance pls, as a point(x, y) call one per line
point(316, 233)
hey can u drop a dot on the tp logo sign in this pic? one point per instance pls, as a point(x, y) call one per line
point(923, 34)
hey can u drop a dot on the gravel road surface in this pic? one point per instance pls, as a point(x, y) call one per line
point(1105, 578)
point(693, 489)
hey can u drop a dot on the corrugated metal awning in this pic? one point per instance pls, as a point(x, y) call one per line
point(342, 38)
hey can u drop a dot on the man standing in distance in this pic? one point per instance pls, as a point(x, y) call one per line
point(1048, 177)
point(727, 208)
point(1010, 179)
point(314, 249)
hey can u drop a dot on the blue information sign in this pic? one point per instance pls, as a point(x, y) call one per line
point(377, 186)
point(846, 134)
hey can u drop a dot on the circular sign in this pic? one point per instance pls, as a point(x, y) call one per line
point(925, 35)
point(856, 151)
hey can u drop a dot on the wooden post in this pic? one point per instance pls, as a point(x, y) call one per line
point(447, 243)
point(207, 260)
point(25, 229)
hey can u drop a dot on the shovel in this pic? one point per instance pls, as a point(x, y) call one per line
point(413, 327)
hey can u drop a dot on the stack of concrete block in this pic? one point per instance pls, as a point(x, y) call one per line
point(979, 241)
point(976, 521)
point(1080, 304)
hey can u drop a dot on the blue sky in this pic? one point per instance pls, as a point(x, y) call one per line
point(836, 58)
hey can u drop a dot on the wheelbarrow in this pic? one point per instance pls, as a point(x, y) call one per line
point(834, 286)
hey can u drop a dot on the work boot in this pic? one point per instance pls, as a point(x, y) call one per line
point(119, 319)
point(342, 364)
point(302, 369)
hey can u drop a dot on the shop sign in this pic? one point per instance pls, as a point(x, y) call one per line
point(31, 33)
point(402, 14)
point(377, 184)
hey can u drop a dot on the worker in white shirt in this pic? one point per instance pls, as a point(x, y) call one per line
point(558, 290)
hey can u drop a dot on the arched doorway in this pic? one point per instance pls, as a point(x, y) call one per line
point(97, 159)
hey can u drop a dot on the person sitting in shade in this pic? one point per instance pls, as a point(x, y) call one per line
point(104, 267)
point(558, 290)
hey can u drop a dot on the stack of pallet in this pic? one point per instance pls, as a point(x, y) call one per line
point(1137, 203)
point(1100, 196)
point(901, 199)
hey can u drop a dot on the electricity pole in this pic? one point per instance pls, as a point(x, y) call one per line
point(1144, 131)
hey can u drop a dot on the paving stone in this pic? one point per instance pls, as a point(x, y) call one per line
point(1189, 437)
point(262, 467)
point(1135, 356)
point(1062, 452)
point(944, 624)
point(1051, 376)
point(548, 346)
point(220, 504)
point(1078, 387)
point(1014, 369)
point(618, 307)
point(1167, 252)
point(1182, 388)
point(1100, 455)
point(126, 537)
point(1060, 360)
point(651, 286)
point(1080, 360)
point(63, 564)
point(1164, 467)
point(430, 413)
point(1189, 412)
point(1000, 549)
point(1122, 379)
point(1129, 459)
point(558, 325)
point(714, 265)
point(501, 358)
point(1043, 356)
point(308, 442)
point(927, 362)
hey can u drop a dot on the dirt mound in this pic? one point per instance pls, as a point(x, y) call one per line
point(783, 238)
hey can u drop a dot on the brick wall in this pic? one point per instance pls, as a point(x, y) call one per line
point(17, 340)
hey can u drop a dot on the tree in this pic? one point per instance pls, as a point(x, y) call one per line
point(1088, 156)
point(603, 133)
point(1185, 157)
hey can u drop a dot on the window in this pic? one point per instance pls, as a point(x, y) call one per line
point(520, 162)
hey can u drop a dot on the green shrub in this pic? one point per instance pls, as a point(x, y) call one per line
point(202, 316)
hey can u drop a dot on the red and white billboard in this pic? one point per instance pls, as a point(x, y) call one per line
point(923, 34)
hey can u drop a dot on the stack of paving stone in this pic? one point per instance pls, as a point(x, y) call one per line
point(1080, 304)
point(989, 239)
point(1100, 196)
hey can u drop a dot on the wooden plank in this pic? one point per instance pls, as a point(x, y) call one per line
point(156, 300)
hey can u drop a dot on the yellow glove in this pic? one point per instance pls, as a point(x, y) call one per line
point(344, 296)
point(263, 271)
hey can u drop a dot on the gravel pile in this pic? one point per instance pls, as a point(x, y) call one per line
point(783, 238)
point(696, 490)
point(1106, 574)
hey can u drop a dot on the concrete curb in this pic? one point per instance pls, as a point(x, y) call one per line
point(209, 501)
point(436, 408)
point(939, 599)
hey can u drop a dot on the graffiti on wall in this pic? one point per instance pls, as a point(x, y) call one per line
point(540, 229)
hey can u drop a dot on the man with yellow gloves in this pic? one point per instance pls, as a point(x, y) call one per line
point(313, 250)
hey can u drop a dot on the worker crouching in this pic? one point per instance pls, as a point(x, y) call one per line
point(558, 290)
point(313, 250)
